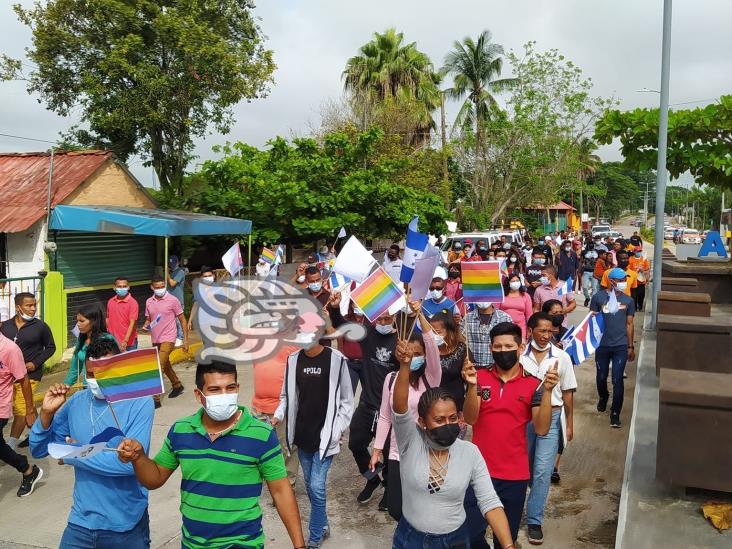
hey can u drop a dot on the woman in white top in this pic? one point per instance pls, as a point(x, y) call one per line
point(437, 468)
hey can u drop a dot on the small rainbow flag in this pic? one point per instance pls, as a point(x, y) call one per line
point(376, 294)
point(129, 375)
point(268, 255)
point(482, 281)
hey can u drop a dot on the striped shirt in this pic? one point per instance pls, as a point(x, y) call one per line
point(222, 480)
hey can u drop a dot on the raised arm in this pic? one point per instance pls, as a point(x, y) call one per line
point(400, 403)
point(471, 406)
point(541, 413)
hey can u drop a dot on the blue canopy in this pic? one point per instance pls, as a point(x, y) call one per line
point(143, 221)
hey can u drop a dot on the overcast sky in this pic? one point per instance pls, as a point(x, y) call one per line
point(616, 42)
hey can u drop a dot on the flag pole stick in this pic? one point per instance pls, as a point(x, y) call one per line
point(111, 409)
point(417, 318)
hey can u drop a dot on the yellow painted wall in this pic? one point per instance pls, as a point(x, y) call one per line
point(54, 313)
point(110, 185)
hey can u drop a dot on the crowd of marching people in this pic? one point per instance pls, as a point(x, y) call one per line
point(455, 413)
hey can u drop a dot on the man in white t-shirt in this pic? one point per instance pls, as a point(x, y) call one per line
point(540, 357)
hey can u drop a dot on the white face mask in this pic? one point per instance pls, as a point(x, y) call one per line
point(439, 340)
point(160, 292)
point(483, 304)
point(536, 346)
point(621, 286)
point(221, 407)
point(26, 317)
point(301, 279)
point(515, 284)
point(384, 329)
point(207, 279)
point(513, 259)
point(436, 294)
point(93, 386)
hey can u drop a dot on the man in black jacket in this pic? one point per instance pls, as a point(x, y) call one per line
point(35, 340)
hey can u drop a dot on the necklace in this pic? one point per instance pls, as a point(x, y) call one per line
point(93, 419)
point(438, 470)
point(215, 435)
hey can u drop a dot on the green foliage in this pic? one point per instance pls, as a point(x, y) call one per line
point(148, 76)
point(387, 69)
point(612, 191)
point(699, 140)
point(302, 190)
point(648, 234)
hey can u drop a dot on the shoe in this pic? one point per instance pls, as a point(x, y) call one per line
point(24, 443)
point(178, 342)
point(368, 492)
point(158, 404)
point(176, 392)
point(625, 376)
point(555, 476)
point(536, 536)
point(587, 302)
point(383, 505)
point(615, 421)
point(602, 405)
point(29, 482)
point(326, 534)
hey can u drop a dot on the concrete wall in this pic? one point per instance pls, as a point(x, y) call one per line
point(25, 251)
point(110, 185)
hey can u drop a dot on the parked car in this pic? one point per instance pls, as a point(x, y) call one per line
point(600, 229)
point(690, 236)
point(668, 233)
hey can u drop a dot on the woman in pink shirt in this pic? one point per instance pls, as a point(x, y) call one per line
point(516, 302)
point(426, 372)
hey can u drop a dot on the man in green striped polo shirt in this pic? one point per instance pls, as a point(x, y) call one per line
point(224, 454)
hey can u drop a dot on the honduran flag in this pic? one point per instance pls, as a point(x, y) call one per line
point(585, 338)
point(414, 247)
point(338, 280)
point(566, 287)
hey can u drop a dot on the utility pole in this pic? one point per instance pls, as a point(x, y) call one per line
point(661, 171)
point(443, 131)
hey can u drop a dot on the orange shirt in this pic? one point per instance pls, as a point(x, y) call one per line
point(632, 280)
point(640, 264)
point(600, 269)
point(268, 377)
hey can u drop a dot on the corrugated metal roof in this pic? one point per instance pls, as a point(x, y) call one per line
point(24, 183)
point(561, 205)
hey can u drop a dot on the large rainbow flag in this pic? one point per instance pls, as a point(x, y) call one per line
point(482, 281)
point(129, 375)
point(268, 255)
point(376, 294)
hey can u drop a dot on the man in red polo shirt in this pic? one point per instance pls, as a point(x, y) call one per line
point(504, 400)
point(122, 313)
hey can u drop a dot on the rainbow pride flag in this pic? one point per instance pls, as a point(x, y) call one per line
point(376, 294)
point(129, 375)
point(268, 255)
point(482, 281)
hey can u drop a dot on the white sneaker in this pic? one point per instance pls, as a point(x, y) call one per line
point(178, 342)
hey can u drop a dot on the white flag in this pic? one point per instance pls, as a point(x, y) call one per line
point(354, 261)
point(342, 233)
point(232, 260)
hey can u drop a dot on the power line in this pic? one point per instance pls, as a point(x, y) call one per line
point(27, 138)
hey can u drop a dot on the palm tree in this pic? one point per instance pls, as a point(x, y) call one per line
point(475, 67)
point(588, 164)
point(387, 69)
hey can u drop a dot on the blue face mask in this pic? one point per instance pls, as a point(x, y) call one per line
point(417, 363)
point(121, 291)
point(315, 286)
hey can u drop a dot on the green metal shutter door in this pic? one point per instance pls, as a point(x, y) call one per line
point(90, 259)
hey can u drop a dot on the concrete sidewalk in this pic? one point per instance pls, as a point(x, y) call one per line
point(581, 512)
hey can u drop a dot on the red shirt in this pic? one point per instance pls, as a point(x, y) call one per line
point(119, 313)
point(500, 432)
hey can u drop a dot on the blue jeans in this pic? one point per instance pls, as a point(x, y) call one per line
point(78, 537)
point(588, 285)
point(542, 454)
point(178, 329)
point(315, 472)
point(133, 346)
point(512, 494)
point(603, 357)
point(406, 537)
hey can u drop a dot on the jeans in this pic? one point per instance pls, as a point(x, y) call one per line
point(315, 472)
point(18, 461)
point(178, 329)
point(133, 346)
point(603, 357)
point(78, 537)
point(512, 494)
point(394, 491)
point(639, 296)
point(354, 365)
point(406, 537)
point(542, 454)
point(588, 284)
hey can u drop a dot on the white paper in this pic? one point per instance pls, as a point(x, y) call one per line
point(398, 305)
point(354, 261)
point(424, 271)
point(68, 451)
point(232, 259)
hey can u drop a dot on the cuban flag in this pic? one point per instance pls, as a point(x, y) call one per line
point(566, 287)
point(414, 247)
point(585, 338)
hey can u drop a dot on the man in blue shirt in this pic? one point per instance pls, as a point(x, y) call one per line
point(616, 346)
point(109, 506)
point(437, 301)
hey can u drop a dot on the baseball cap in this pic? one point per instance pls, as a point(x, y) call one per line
point(617, 274)
point(468, 242)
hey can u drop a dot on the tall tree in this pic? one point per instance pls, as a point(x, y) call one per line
point(386, 69)
point(148, 76)
point(475, 66)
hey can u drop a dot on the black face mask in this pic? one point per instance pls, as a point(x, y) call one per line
point(444, 435)
point(453, 274)
point(623, 264)
point(505, 360)
point(557, 320)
